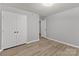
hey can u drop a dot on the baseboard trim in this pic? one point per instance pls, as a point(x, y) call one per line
point(63, 42)
point(1, 50)
point(32, 41)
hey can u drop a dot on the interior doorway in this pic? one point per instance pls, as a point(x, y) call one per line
point(43, 28)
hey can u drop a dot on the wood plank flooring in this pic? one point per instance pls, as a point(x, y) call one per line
point(44, 47)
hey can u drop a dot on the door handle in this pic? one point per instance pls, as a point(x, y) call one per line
point(15, 32)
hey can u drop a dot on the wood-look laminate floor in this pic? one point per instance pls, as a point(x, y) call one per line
point(44, 47)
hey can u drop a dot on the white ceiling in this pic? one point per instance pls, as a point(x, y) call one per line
point(43, 10)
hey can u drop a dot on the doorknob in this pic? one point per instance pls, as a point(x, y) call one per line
point(15, 32)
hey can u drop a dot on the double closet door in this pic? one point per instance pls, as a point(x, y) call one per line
point(14, 29)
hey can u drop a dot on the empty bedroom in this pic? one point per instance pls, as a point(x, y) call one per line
point(39, 29)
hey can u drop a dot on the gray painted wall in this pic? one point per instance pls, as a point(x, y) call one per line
point(64, 26)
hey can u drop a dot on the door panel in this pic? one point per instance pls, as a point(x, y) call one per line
point(21, 29)
point(14, 29)
point(9, 27)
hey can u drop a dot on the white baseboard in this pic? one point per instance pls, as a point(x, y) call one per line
point(63, 42)
point(1, 50)
point(32, 41)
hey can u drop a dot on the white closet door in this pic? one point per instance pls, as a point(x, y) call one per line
point(9, 29)
point(21, 29)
